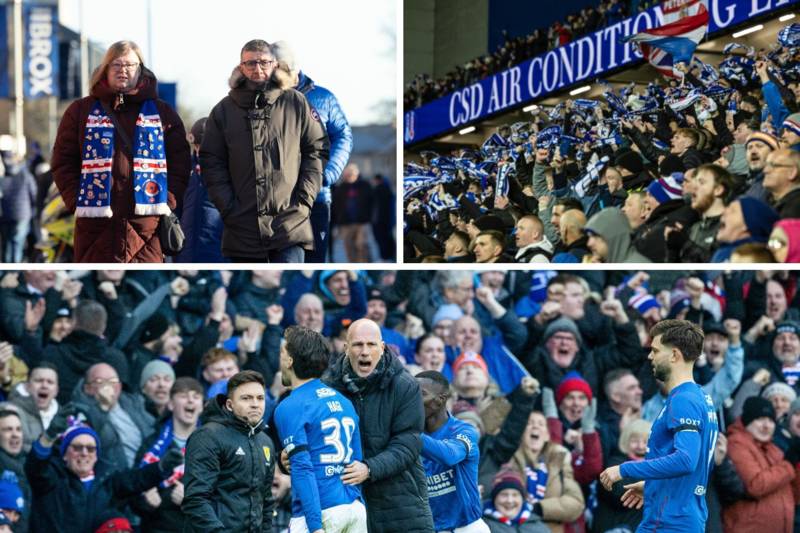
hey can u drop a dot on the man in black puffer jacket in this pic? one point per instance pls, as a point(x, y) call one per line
point(391, 418)
point(263, 153)
point(230, 462)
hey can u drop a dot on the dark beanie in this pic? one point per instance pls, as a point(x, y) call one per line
point(425, 244)
point(757, 407)
point(759, 217)
point(155, 326)
point(490, 222)
point(671, 163)
point(507, 478)
point(376, 293)
point(562, 324)
point(787, 326)
point(630, 161)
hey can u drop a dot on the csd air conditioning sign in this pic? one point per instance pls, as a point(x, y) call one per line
point(582, 60)
point(40, 68)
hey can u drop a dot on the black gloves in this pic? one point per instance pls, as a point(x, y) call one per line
point(172, 459)
point(59, 423)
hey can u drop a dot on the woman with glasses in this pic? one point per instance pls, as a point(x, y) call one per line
point(120, 161)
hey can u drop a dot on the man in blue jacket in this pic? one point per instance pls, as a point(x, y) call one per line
point(341, 138)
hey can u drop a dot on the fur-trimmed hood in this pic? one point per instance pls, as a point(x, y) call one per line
point(250, 95)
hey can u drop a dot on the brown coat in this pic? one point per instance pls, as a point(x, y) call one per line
point(768, 480)
point(125, 237)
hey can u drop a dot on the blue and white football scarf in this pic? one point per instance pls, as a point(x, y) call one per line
point(149, 164)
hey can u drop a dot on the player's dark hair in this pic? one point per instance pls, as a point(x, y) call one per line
point(681, 334)
point(242, 378)
point(308, 350)
point(437, 377)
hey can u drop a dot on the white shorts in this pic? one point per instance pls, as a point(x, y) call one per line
point(478, 526)
point(347, 518)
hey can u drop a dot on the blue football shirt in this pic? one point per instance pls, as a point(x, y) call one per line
point(450, 456)
point(680, 455)
point(318, 428)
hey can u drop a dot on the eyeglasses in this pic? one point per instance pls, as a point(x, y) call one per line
point(80, 448)
point(124, 66)
point(252, 64)
point(775, 244)
point(100, 382)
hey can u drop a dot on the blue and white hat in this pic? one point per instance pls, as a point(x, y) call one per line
point(667, 188)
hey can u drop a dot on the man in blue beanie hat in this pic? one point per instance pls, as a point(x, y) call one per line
point(744, 220)
point(67, 480)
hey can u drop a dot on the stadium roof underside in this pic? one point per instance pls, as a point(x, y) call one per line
point(639, 72)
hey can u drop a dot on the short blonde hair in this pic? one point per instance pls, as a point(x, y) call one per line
point(636, 427)
point(118, 49)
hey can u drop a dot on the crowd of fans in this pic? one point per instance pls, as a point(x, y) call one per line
point(703, 169)
point(104, 375)
point(514, 50)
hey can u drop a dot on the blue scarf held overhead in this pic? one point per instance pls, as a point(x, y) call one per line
point(149, 164)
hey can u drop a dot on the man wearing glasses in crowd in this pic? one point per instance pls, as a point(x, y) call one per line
point(263, 153)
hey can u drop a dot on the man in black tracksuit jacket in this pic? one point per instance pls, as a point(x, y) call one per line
point(230, 463)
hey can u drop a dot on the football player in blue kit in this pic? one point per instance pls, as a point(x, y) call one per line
point(450, 456)
point(318, 428)
point(680, 451)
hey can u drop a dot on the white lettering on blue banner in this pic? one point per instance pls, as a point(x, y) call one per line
point(41, 51)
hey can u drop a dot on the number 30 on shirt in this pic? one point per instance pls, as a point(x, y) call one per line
point(332, 427)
